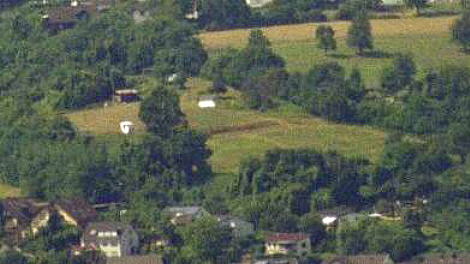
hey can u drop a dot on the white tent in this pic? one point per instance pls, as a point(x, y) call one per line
point(328, 220)
point(126, 127)
point(207, 101)
point(206, 104)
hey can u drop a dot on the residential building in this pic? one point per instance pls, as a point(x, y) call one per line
point(76, 212)
point(455, 258)
point(360, 259)
point(154, 243)
point(112, 238)
point(143, 259)
point(239, 227)
point(65, 17)
point(186, 214)
point(277, 261)
point(297, 244)
point(24, 217)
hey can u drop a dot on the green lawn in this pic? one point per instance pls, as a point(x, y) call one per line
point(8, 191)
point(237, 133)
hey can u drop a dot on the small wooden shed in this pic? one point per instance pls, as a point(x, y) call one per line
point(125, 96)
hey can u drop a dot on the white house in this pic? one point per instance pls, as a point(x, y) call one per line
point(288, 244)
point(207, 101)
point(112, 238)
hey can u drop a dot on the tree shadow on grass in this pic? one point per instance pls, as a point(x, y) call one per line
point(377, 54)
point(339, 56)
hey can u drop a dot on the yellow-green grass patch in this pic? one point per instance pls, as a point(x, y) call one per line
point(427, 39)
point(9, 191)
point(237, 133)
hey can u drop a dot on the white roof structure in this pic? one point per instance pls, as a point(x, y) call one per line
point(126, 127)
point(375, 215)
point(328, 220)
point(257, 3)
point(206, 102)
point(172, 77)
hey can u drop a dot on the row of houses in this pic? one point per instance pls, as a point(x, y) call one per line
point(119, 242)
point(289, 244)
point(24, 218)
point(462, 258)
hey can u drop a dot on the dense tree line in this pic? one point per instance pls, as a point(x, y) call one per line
point(86, 64)
point(283, 191)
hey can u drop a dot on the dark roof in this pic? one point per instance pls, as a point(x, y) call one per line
point(463, 258)
point(69, 14)
point(23, 209)
point(79, 209)
point(90, 235)
point(287, 237)
point(359, 259)
point(145, 259)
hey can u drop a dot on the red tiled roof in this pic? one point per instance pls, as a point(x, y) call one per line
point(68, 13)
point(287, 237)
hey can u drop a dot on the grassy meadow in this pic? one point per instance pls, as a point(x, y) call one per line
point(428, 39)
point(236, 132)
point(9, 191)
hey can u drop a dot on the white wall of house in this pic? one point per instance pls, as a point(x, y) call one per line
point(110, 250)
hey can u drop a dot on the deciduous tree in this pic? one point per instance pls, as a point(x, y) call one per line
point(360, 33)
point(161, 112)
point(461, 31)
point(325, 36)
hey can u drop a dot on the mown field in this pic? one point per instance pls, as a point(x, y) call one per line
point(236, 133)
point(428, 39)
point(9, 191)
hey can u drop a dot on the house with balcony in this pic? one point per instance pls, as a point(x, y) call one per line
point(112, 238)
